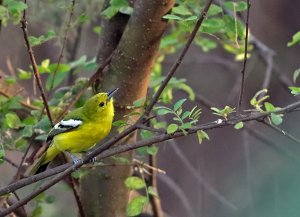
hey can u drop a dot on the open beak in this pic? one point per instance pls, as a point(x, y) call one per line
point(111, 93)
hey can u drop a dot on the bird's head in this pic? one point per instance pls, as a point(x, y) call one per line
point(100, 105)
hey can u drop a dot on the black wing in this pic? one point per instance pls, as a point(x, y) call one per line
point(63, 127)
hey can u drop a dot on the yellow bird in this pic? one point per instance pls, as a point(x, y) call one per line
point(80, 130)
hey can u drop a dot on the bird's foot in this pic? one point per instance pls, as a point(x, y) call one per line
point(74, 158)
point(93, 160)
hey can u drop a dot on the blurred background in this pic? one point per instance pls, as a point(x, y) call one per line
point(249, 173)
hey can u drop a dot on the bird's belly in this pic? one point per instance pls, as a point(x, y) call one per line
point(81, 139)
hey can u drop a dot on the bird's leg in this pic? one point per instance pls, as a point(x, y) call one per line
point(93, 160)
point(74, 158)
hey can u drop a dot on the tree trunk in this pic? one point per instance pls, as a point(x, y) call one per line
point(102, 191)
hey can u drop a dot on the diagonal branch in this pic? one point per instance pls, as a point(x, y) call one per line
point(64, 43)
point(34, 66)
point(245, 60)
point(180, 58)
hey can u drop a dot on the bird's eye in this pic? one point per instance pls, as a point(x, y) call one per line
point(101, 104)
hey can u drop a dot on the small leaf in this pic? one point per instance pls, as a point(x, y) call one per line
point(202, 135)
point(181, 10)
point(172, 17)
point(276, 119)
point(145, 134)
point(295, 40)
point(139, 103)
point(152, 150)
point(185, 115)
point(296, 75)
point(152, 191)
point(119, 123)
point(135, 183)
point(164, 111)
point(235, 6)
point(213, 10)
point(185, 126)
point(136, 206)
point(172, 128)
point(178, 104)
point(239, 125)
point(13, 120)
point(295, 90)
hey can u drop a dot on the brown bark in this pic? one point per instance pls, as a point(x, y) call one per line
point(102, 190)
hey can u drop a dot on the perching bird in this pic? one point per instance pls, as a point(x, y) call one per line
point(80, 130)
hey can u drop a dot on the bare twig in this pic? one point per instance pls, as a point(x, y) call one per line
point(180, 58)
point(34, 66)
point(64, 43)
point(26, 105)
point(245, 60)
point(283, 132)
point(10, 162)
point(154, 200)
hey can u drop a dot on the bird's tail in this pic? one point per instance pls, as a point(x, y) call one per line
point(43, 162)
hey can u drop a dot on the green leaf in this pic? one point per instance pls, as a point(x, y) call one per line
point(172, 128)
point(77, 63)
point(185, 126)
point(206, 44)
point(185, 115)
point(172, 17)
point(21, 144)
point(146, 134)
point(126, 10)
point(295, 90)
point(235, 6)
point(178, 104)
point(135, 183)
point(24, 75)
point(27, 131)
point(49, 199)
point(2, 153)
point(139, 103)
point(164, 111)
point(296, 75)
point(152, 150)
point(202, 135)
point(109, 12)
point(34, 41)
point(97, 30)
point(152, 191)
point(187, 89)
point(136, 206)
point(239, 125)
point(295, 40)
point(4, 15)
point(269, 107)
point(214, 10)
point(10, 80)
point(119, 123)
point(13, 121)
point(181, 10)
point(276, 119)
point(37, 212)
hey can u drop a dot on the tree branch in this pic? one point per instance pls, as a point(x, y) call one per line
point(245, 60)
point(180, 58)
point(34, 66)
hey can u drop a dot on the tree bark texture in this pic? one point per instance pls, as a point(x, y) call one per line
point(102, 191)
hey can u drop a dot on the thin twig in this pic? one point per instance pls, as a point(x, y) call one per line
point(34, 66)
point(154, 200)
point(26, 105)
point(281, 131)
point(10, 162)
point(64, 44)
point(180, 58)
point(245, 60)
